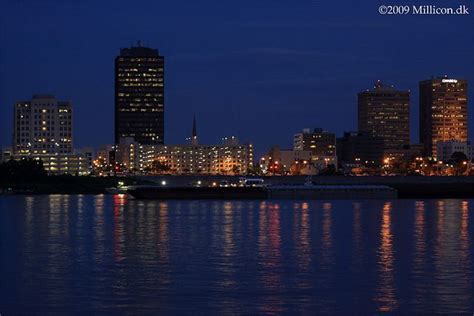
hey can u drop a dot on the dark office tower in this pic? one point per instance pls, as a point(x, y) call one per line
point(443, 112)
point(385, 112)
point(139, 95)
point(355, 147)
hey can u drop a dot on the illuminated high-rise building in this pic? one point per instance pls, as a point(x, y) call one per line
point(139, 95)
point(42, 125)
point(385, 112)
point(443, 112)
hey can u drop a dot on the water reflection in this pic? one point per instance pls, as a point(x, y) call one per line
point(99, 230)
point(29, 217)
point(119, 238)
point(228, 230)
point(327, 222)
point(163, 239)
point(357, 263)
point(112, 254)
point(58, 247)
point(269, 252)
point(419, 256)
point(356, 229)
point(327, 254)
point(385, 294)
point(452, 274)
point(301, 229)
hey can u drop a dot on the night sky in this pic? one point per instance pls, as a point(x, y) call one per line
point(260, 70)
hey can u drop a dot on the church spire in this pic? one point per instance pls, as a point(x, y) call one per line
point(194, 137)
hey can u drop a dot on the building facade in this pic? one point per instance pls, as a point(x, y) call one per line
point(356, 147)
point(320, 143)
point(139, 95)
point(445, 150)
point(42, 125)
point(6, 153)
point(56, 164)
point(443, 112)
point(288, 161)
point(385, 112)
point(193, 158)
point(43, 130)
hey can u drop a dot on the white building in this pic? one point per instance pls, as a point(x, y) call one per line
point(43, 130)
point(42, 125)
point(444, 150)
point(73, 164)
point(190, 158)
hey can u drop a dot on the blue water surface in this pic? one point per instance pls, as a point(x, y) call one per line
point(114, 254)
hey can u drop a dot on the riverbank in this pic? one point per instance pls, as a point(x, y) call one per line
point(407, 187)
point(67, 185)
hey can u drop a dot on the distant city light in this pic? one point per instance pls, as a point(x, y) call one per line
point(449, 81)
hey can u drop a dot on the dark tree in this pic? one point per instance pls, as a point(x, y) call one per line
point(458, 157)
point(24, 170)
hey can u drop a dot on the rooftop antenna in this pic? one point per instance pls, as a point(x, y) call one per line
point(139, 43)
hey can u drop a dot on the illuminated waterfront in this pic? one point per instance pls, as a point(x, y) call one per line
point(113, 254)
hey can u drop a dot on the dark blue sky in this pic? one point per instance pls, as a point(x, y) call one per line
point(260, 70)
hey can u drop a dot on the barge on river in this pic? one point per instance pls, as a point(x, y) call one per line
point(262, 193)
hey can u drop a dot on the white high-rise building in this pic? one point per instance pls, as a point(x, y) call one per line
point(42, 130)
point(42, 125)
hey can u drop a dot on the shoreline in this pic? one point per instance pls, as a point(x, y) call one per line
point(406, 186)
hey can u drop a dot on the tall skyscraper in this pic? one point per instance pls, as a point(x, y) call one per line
point(42, 125)
point(385, 112)
point(443, 112)
point(139, 95)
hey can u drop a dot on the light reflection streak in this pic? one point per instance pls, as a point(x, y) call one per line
point(464, 238)
point(385, 294)
point(119, 240)
point(302, 231)
point(465, 247)
point(228, 230)
point(269, 243)
point(99, 231)
point(419, 256)
point(163, 238)
point(327, 234)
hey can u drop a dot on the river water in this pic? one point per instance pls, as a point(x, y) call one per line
point(114, 254)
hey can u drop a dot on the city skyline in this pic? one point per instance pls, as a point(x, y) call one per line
point(236, 157)
point(284, 64)
point(377, 85)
